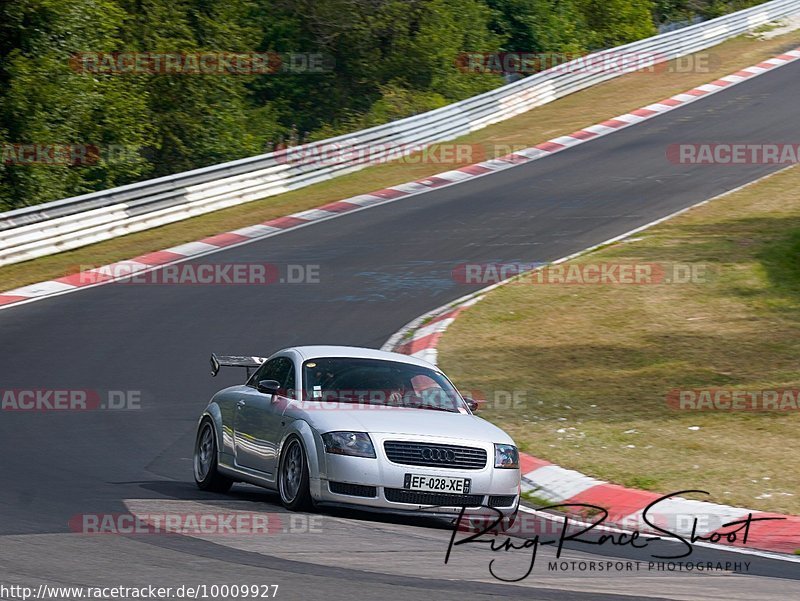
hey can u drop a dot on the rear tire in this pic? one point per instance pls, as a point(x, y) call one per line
point(206, 472)
point(293, 476)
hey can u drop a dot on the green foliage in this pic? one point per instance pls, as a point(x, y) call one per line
point(45, 102)
point(388, 59)
point(378, 49)
point(199, 119)
point(666, 11)
point(615, 22)
point(540, 25)
point(395, 102)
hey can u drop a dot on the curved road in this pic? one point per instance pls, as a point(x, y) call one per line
point(379, 268)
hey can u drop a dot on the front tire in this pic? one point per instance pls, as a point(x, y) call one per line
point(293, 476)
point(206, 473)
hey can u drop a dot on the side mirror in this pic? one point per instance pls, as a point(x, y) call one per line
point(268, 386)
point(472, 403)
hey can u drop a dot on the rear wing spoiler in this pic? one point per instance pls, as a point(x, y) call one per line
point(248, 363)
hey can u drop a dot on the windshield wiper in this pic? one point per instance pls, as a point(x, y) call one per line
point(432, 408)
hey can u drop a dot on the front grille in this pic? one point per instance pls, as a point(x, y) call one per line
point(435, 455)
point(399, 495)
point(502, 500)
point(354, 490)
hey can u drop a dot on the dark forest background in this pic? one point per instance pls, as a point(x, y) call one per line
point(387, 59)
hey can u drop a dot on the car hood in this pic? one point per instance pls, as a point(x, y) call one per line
point(397, 420)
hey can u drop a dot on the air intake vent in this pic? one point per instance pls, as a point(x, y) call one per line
point(502, 500)
point(354, 490)
point(435, 455)
point(399, 495)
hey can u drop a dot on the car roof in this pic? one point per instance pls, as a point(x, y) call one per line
point(319, 351)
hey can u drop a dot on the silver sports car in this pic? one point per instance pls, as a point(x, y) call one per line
point(351, 426)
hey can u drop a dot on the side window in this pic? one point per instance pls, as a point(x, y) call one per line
point(280, 369)
point(271, 370)
point(289, 382)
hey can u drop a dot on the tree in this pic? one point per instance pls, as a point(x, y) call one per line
point(199, 119)
point(381, 51)
point(616, 22)
point(540, 26)
point(45, 102)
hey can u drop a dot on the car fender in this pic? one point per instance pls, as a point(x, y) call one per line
point(312, 443)
point(214, 413)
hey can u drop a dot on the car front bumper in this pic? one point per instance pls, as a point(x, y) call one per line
point(380, 483)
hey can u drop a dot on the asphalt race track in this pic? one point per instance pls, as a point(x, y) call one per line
point(379, 268)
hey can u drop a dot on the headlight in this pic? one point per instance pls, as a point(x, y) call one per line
point(506, 456)
point(357, 444)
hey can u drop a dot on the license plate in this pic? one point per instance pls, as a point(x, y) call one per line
point(444, 484)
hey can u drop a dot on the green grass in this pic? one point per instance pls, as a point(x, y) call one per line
point(643, 482)
point(535, 500)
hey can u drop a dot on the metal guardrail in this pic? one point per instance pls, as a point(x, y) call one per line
point(66, 224)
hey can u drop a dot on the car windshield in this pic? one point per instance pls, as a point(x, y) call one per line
point(379, 382)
